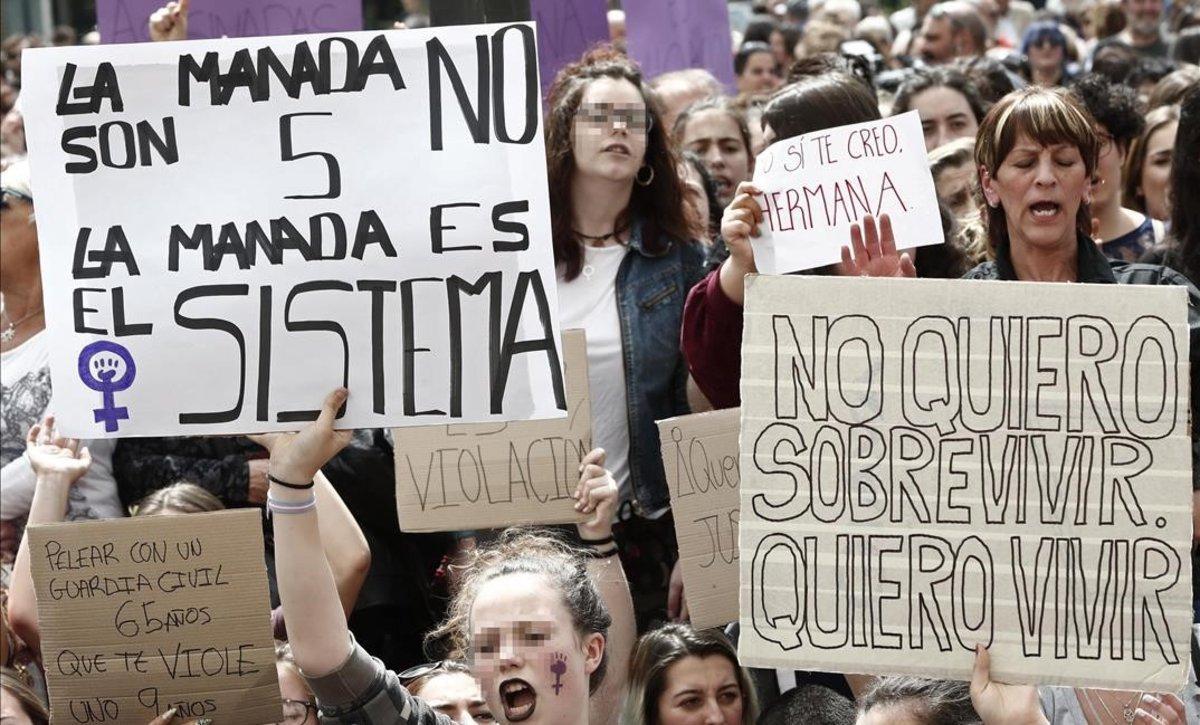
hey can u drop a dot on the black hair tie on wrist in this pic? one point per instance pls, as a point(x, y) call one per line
point(604, 554)
point(596, 542)
point(295, 486)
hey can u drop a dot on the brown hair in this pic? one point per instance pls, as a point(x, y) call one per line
point(523, 551)
point(659, 204)
point(657, 650)
point(181, 497)
point(1172, 87)
point(815, 103)
point(1131, 198)
point(718, 103)
point(1049, 116)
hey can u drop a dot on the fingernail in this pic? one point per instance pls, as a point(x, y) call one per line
point(204, 721)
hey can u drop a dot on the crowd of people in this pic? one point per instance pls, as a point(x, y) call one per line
point(1064, 144)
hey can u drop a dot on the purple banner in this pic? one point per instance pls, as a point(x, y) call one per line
point(667, 35)
point(566, 28)
point(126, 21)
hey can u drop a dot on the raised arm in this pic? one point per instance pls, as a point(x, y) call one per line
point(342, 540)
point(316, 620)
point(57, 463)
point(597, 495)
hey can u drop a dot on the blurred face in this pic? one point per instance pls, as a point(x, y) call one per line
point(1143, 16)
point(1046, 54)
point(292, 687)
point(945, 116)
point(678, 95)
point(611, 125)
point(779, 47)
point(701, 691)
point(954, 189)
point(1040, 189)
point(694, 196)
point(531, 664)
point(457, 696)
point(714, 136)
point(937, 41)
point(11, 712)
point(18, 237)
point(1156, 171)
point(1106, 189)
point(758, 75)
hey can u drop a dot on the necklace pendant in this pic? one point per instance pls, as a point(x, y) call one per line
point(8, 333)
point(588, 271)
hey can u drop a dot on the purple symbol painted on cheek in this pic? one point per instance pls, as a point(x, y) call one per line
point(99, 364)
point(559, 667)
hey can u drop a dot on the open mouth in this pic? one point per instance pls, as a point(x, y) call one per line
point(1045, 209)
point(518, 698)
point(616, 148)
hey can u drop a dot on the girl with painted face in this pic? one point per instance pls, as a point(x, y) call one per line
point(681, 676)
point(545, 629)
point(625, 252)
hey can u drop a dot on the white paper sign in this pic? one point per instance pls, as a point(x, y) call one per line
point(816, 185)
point(231, 228)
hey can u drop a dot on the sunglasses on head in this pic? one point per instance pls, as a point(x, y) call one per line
point(416, 672)
point(8, 195)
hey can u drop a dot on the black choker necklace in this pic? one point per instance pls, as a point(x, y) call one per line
point(603, 237)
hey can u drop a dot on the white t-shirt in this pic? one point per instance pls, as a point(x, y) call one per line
point(590, 302)
point(24, 398)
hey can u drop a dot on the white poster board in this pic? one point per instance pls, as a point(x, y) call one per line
point(931, 464)
point(816, 185)
point(231, 228)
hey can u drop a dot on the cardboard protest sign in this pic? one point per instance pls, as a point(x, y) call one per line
point(142, 615)
point(566, 28)
point(483, 476)
point(231, 228)
point(127, 21)
point(667, 35)
point(700, 457)
point(932, 464)
point(818, 184)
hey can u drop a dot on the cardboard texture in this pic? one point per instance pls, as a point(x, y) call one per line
point(482, 476)
point(931, 464)
point(700, 457)
point(200, 288)
point(667, 35)
point(818, 184)
point(140, 615)
point(566, 28)
point(127, 21)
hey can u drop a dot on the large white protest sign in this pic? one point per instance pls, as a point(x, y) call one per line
point(927, 465)
point(231, 228)
point(816, 185)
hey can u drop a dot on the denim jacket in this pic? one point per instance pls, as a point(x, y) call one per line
point(650, 294)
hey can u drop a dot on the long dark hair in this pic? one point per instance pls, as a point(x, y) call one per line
point(941, 77)
point(659, 204)
point(1185, 174)
point(815, 103)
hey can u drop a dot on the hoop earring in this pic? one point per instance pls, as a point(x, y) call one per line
point(648, 180)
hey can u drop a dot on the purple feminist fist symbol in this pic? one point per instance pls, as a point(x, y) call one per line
point(559, 668)
point(98, 366)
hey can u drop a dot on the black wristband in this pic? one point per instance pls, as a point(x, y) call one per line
point(596, 542)
point(295, 486)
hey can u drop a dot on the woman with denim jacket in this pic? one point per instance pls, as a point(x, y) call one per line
point(623, 244)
